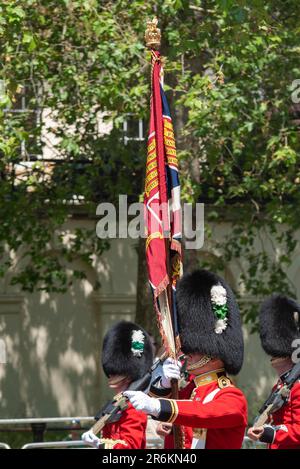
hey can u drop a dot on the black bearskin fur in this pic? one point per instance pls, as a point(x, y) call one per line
point(117, 357)
point(196, 320)
point(277, 325)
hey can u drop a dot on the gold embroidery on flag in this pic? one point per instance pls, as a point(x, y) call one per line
point(169, 142)
point(171, 151)
point(168, 133)
point(151, 186)
point(168, 124)
point(151, 158)
point(151, 146)
point(151, 175)
point(151, 154)
point(151, 166)
point(155, 235)
point(172, 160)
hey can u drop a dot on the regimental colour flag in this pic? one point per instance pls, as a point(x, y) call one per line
point(162, 210)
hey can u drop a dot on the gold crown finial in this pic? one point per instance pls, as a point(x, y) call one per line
point(152, 34)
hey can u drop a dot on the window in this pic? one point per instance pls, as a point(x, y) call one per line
point(133, 129)
point(25, 115)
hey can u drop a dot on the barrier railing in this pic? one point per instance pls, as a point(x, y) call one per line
point(39, 425)
point(4, 446)
point(250, 444)
point(57, 444)
point(154, 443)
point(29, 421)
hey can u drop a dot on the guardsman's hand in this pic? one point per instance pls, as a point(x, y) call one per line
point(91, 439)
point(255, 433)
point(141, 401)
point(164, 429)
point(171, 370)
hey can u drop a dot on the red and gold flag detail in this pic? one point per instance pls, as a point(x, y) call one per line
point(162, 208)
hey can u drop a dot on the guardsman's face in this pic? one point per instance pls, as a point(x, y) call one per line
point(118, 383)
point(194, 358)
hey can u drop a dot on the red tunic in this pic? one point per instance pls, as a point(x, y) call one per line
point(286, 422)
point(212, 405)
point(131, 428)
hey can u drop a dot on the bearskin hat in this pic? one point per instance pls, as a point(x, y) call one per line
point(126, 351)
point(209, 319)
point(279, 325)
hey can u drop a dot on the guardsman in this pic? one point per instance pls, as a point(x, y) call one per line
point(127, 355)
point(280, 335)
point(211, 409)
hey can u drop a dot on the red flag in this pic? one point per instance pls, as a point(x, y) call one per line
point(162, 208)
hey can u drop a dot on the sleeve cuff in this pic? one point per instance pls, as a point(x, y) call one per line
point(168, 411)
point(268, 435)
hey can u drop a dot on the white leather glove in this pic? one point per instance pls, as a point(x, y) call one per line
point(141, 401)
point(91, 439)
point(171, 370)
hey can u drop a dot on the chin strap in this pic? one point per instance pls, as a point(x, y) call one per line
point(279, 360)
point(203, 361)
point(117, 381)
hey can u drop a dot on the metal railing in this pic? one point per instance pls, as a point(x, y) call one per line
point(46, 420)
point(250, 444)
point(4, 446)
point(151, 444)
point(38, 427)
point(75, 423)
point(57, 444)
point(154, 443)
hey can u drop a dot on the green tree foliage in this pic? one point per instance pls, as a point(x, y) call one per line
point(230, 69)
point(242, 129)
point(70, 61)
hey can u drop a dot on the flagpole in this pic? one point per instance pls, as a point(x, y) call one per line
point(177, 430)
point(153, 41)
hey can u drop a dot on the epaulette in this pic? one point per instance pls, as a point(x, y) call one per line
point(224, 382)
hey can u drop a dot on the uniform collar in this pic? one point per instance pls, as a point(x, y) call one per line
point(208, 377)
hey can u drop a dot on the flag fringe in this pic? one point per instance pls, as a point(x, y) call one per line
point(176, 246)
point(162, 333)
point(161, 287)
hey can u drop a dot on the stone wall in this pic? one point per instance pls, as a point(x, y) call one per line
point(53, 341)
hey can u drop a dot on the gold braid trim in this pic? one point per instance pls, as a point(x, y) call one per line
point(203, 361)
point(174, 411)
point(109, 443)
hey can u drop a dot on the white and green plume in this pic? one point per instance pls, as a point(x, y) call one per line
point(218, 296)
point(137, 343)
